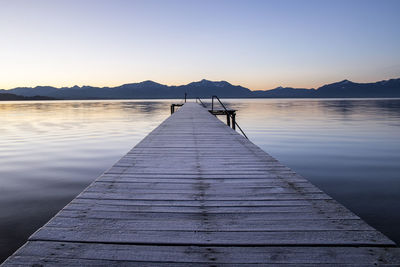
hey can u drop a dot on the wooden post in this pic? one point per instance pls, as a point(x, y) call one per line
point(234, 120)
point(172, 109)
point(228, 119)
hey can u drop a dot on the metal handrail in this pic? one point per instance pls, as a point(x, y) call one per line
point(201, 102)
point(212, 109)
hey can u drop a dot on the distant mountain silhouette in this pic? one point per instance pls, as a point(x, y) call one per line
point(7, 97)
point(281, 92)
point(345, 88)
point(389, 88)
point(205, 89)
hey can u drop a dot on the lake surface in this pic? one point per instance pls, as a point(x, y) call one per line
point(51, 150)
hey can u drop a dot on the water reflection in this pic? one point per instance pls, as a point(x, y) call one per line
point(51, 150)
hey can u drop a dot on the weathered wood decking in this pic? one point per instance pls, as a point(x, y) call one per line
point(194, 192)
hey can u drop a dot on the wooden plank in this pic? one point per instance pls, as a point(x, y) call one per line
point(189, 183)
point(62, 252)
point(221, 238)
point(200, 195)
point(123, 207)
point(194, 192)
point(117, 188)
point(261, 216)
point(320, 204)
point(209, 224)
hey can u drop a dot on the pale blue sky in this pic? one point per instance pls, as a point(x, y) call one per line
point(258, 44)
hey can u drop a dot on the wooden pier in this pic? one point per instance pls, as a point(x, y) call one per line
point(196, 193)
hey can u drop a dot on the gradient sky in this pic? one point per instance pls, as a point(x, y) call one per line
point(257, 44)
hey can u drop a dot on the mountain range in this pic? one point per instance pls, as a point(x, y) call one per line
point(206, 88)
point(7, 97)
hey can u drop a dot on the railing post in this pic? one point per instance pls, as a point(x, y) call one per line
point(172, 109)
point(228, 119)
point(232, 115)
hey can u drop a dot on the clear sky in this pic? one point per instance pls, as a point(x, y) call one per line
point(257, 44)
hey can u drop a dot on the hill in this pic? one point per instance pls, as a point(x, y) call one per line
point(8, 97)
point(205, 89)
point(343, 89)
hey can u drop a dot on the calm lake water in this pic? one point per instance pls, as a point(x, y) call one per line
point(51, 150)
